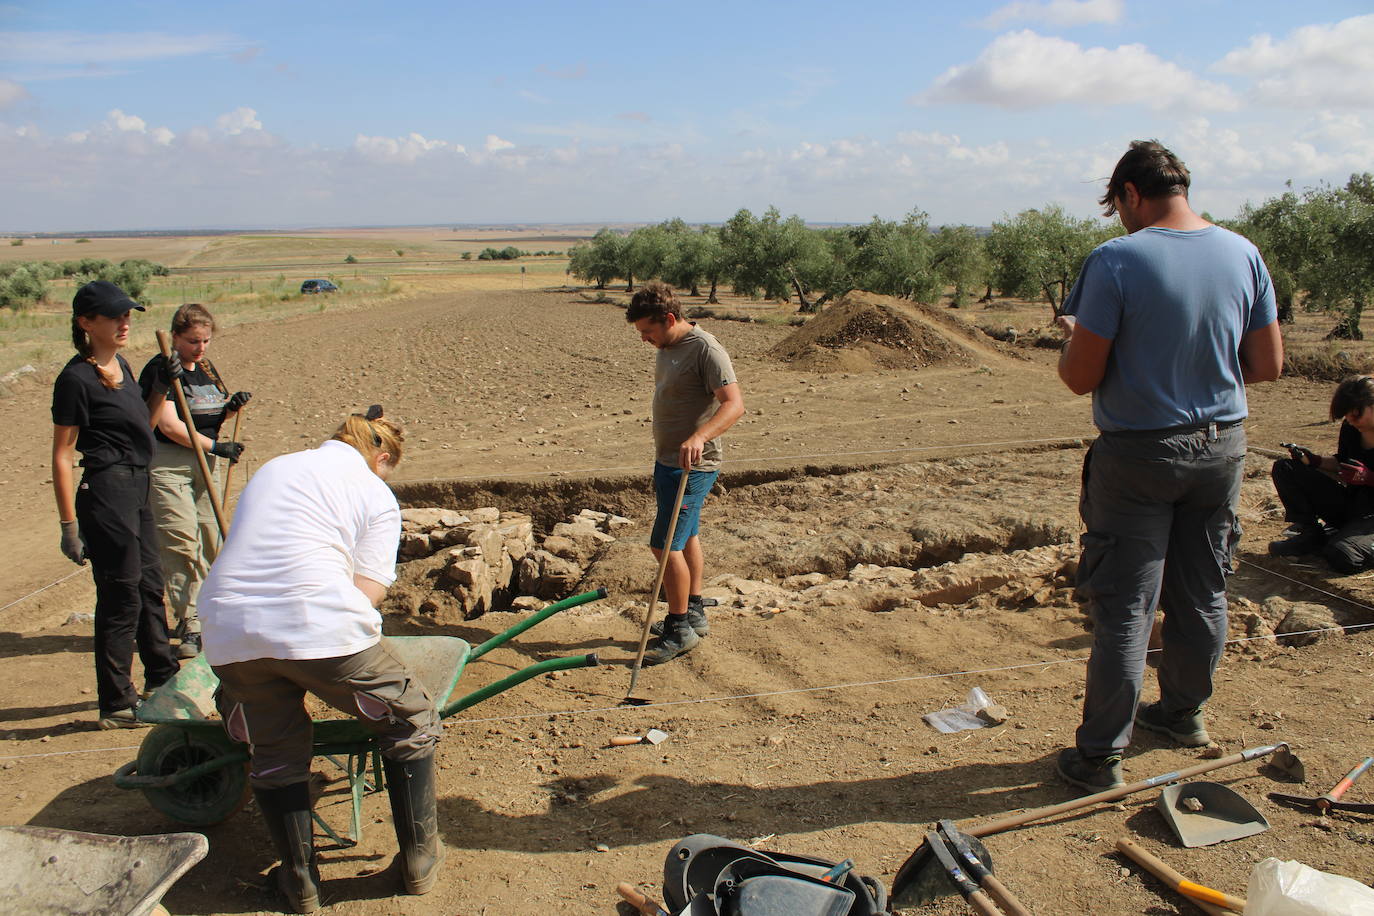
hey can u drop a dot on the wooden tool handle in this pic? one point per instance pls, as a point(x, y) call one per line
point(1210, 900)
point(1349, 780)
point(646, 905)
point(623, 740)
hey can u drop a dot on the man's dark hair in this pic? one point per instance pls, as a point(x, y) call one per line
point(1355, 392)
point(654, 300)
point(1153, 170)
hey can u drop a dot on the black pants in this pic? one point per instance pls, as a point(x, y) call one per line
point(1311, 497)
point(116, 523)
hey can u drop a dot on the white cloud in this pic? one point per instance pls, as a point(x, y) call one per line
point(238, 121)
point(1315, 66)
point(1057, 12)
point(11, 93)
point(495, 144)
point(161, 136)
point(535, 97)
point(70, 47)
point(118, 120)
point(403, 150)
point(1024, 69)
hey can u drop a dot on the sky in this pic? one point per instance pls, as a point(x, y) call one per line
point(292, 113)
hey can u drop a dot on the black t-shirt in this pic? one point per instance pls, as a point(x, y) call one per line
point(1350, 447)
point(203, 396)
point(113, 422)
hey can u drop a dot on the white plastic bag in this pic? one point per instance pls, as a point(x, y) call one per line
point(960, 718)
point(1288, 888)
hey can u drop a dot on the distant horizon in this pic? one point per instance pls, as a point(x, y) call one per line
point(249, 230)
point(158, 116)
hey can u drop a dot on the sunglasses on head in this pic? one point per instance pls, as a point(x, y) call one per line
point(373, 413)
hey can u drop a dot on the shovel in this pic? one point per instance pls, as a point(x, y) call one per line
point(630, 698)
point(1323, 804)
point(918, 882)
point(1203, 813)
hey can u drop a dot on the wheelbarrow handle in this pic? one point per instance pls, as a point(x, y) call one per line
point(127, 777)
point(541, 616)
point(519, 677)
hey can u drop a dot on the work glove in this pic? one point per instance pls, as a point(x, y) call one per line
point(1355, 474)
point(237, 400)
point(168, 369)
point(72, 547)
point(1304, 455)
point(227, 449)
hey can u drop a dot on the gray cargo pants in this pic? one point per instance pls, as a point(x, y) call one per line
point(262, 703)
point(1159, 507)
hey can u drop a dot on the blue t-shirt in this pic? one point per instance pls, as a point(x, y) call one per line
point(1175, 305)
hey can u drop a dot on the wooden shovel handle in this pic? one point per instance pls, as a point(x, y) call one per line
point(646, 905)
point(1207, 899)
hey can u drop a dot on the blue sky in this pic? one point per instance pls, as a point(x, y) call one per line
point(254, 114)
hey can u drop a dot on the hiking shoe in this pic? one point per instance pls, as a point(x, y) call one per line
point(1185, 727)
point(121, 718)
point(678, 639)
point(696, 616)
point(1096, 774)
point(1300, 540)
point(190, 646)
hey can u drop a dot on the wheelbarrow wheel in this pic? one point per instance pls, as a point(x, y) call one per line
point(203, 800)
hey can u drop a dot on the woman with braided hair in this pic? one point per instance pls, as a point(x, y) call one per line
point(290, 607)
point(188, 533)
point(98, 410)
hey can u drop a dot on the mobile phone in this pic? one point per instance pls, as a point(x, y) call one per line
point(1298, 451)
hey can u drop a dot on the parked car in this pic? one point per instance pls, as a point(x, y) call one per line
point(318, 286)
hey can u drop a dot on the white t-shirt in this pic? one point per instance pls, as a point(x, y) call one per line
point(282, 586)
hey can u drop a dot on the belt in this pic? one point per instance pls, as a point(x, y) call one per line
point(1208, 429)
point(127, 470)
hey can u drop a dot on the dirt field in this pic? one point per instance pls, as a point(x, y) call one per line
point(796, 726)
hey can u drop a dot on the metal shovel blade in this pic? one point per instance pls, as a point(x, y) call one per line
point(922, 879)
point(1203, 813)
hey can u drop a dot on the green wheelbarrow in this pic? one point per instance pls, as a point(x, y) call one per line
point(191, 770)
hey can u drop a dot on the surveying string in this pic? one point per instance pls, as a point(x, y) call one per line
point(74, 572)
point(771, 693)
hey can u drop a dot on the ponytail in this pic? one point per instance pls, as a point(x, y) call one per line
point(371, 434)
point(82, 341)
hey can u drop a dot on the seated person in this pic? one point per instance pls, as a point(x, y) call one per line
point(1337, 490)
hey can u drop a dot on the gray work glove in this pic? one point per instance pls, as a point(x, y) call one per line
point(72, 547)
point(227, 449)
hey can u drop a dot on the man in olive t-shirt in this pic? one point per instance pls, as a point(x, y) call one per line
point(696, 399)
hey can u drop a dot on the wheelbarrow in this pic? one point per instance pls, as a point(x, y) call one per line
point(191, 770)
point(51, 872)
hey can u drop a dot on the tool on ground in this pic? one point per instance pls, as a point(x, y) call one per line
point(971, 892)
point(164, 343)
point(229, 471)
point(838, 872)
point(918, 882)
point(630, 698)
point(1323, 804)
point(645, 904)
point(1211, 900)
point(48, 870)
point(189, 768)
point(652, 736)
point(981, 873)
point(1203, 813)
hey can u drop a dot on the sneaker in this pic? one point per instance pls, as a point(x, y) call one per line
point(1185, 727)
point(190, 646)
point(678, 639)
point(121, 718)
point(696, 616)
point(1096, 774)
point(1300, 540)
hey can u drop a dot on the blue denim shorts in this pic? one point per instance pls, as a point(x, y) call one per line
point(666, 481)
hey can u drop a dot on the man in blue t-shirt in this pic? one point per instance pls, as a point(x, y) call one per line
point(1166, 326)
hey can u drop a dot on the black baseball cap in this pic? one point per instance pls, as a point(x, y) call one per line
point(101, 297)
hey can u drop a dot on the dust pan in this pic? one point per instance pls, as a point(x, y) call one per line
point(1203, 813)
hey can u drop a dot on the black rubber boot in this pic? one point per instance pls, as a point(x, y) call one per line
point(410, 784)
point(287, 813)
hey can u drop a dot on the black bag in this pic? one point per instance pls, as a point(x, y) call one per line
point(722, 878)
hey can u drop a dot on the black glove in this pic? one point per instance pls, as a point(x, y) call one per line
point(168, 369)
point(227, 449)
point(1304, 455)
point(237, 400)
point(72, 547)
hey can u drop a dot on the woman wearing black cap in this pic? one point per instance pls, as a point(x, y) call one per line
point(98, 410)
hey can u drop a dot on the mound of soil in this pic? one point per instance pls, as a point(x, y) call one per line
point(863, 331)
